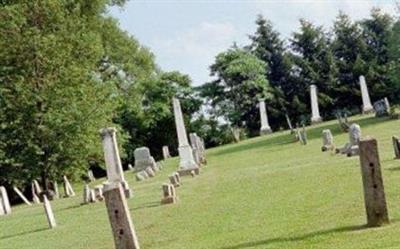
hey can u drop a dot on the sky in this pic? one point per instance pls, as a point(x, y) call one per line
point(186, 35)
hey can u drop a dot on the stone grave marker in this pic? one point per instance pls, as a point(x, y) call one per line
point(396, 146)
point(265, 128)
point(5, 202)
point(22, 196)
point(327, 140)
point(366, 107)
point(165, 151)
point(49, 212)
point(382, 108)
point(315, 116)
point(169, 194)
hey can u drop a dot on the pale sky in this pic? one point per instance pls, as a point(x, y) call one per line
point(186, 35)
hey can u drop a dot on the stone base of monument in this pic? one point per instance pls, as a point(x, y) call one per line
point(265, 131)
point(368, 110)
point(353, 151)
point(316, 120)
point(188, 172)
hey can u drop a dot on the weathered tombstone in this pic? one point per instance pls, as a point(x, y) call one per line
point(2, 211)
point(49, 212)
point(367, 107)
point(86, 194)
point(194, 142)
point(115, 172)
point(382, 108)
point(265, 128)
point(289, 124)
point(396, 146)
point(302, 135)
point(374, 193)
point(130, 167)
point(55, 188)
point(140, 176)
point(327, 140)
point(92, 196)
point(119, 216)
point(343, 122)
point(37, 187)
point(68, 190)
point(143, 159)
point(150, 172)
point(5, 202)
point(186, 162)
point(354, 138)
point(35, 199)
point(236, 134)
point(22, 196)
point(169, 194)
point(315, 118)
point(91, 176)
point(98, 192)
point(165, 151)
point(175, 179)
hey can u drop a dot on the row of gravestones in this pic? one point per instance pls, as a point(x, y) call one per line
point(380, 107)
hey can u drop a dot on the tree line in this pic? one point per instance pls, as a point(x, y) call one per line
point(67, 70)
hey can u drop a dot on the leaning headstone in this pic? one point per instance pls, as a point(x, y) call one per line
point(315, 118)
point(68, 190)
point(367, 107)
point(327, 140)
point(119, 216)
point(35, 199)
point(22, 196)
point(265, 128)
point(115, 172)
point(175, 179)
point(169, 194)
point(37, 187)
point(2, 211)
point(5, 202)
point(374, 193)
point(396, 146)
point(186, 160)
point(49, 212)
point(165, 151)
point(289, 124)
point(381, 108)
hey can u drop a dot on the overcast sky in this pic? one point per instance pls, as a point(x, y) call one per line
point(186, 35)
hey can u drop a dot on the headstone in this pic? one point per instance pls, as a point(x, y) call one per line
point(327, 140)
point(354, 138)
point(92, 196)
point(382, 108)
point(98, 192)
point(396, 146)
point(143, 159)
point(86, 194)
point(175, 179)
point(265, 128)
point(49, 212)
point(194, 142)
point(5, 202)
point(315, 118)
point(68, 190)
point(55, 187)
point(115, 172)
point(169, 194)
point(150, 172)
point(374, 193)
point(367, 107)
point(130, 167)
point(343, 122)
point(120, 219)
point(2, 211)
point(37, 187)
point(165, 151)
point(35, 199)
point(289, 124)
point(91, 176)
point(22, 196)
point(186, 160)
point(236, 134)
point(302, 135)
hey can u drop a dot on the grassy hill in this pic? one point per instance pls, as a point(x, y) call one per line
point(266, 192)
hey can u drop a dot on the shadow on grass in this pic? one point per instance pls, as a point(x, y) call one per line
point(24, 233)
point(297, 238)
point(72, 207)
point(313, 132)
point(147, 205)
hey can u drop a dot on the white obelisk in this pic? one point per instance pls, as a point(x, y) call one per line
point(186, 163)
point(367, 107)
point(315, 118)
point(265, 128)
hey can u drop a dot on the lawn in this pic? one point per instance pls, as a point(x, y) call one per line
point(266, 192)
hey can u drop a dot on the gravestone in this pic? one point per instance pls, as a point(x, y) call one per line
point(49, 212)
point(327, 140)
point(302, 135)
point(2, 211)
point(396, 146)
point(351, 148)
point(382, 108)
point(37, 187)
point(289, 124)
point(115, 172)
point(236, 134)
point(169, 194)
point(130, 167)
point(367, 107)
point(91, 176)
point(142, 175)
point(68, 190)
point(98, 193)
point(186, 160)
point(265, 128)
point(343, 122)
point(315, 117)
point(86, 194)
point(175, 179)
point(374, 192)
point(5, 202)
point(196, 147)
point(22, 196)
point(150, 172)
point(119, 216)
point(143, 159)
point(165, 151)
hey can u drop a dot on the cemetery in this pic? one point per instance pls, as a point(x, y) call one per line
point(291, 143)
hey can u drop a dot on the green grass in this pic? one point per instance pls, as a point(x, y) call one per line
point(266, 192)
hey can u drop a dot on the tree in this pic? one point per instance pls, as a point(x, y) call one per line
point(240, 83)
